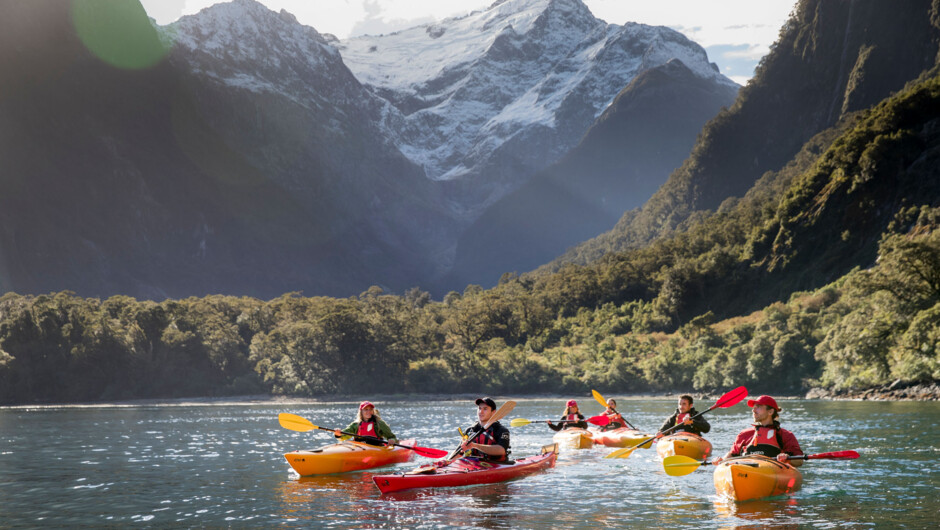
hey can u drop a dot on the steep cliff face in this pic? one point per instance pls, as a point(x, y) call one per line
point(831, 58)
point(627, 154)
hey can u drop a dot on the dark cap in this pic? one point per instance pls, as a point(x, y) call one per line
point(488, 401)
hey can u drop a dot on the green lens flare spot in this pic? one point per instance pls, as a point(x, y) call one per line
point(118, 32)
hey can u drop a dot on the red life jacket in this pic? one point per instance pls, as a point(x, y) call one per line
point(367, 428)
point(682, 417)
point(767, 441)
point(572, 417)
point(484, 438)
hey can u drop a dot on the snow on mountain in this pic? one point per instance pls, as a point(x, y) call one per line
point(245, 45)
point(498, 94)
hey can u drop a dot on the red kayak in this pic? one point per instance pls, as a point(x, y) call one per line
point(466, 471)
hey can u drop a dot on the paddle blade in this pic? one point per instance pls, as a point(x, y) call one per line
point(835, 455)
point(731, 399)
point(600, 421)
point(622, 453)
point(295, 423)
point(519, 422)
point(500, 413)
point(680, 465)
point(429, 452)
point(599, 398)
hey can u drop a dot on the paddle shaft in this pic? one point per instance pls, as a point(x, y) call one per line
point(600, 399)
point(301, 424)
point(499, 414)
point(381, 441)
point(730, 398)
point(694, 464)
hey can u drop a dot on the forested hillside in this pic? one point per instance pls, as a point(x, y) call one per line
point(825, 274)
point(663, 317)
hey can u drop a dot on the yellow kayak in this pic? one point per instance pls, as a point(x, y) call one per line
point(622, 437)
point(685, 444)
point(347, 456)
point(745, 478)
point(574, 438)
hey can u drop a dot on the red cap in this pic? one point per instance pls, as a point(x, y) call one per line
point(572, 403)
point(365, 404)
point(764, 400)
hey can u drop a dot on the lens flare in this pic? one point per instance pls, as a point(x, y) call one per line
point(118, 32)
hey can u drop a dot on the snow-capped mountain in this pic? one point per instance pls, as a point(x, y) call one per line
point(492, 97)
point(260, 157)
point(281, 95)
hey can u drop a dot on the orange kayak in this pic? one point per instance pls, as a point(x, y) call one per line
point(574, 438)
point(745, 478)
point(685, 444)
point(347, 456)
point(622, 437)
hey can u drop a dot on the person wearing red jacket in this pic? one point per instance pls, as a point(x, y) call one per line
point(765, 437)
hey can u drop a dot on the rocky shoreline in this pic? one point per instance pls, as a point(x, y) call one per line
point(897, 391)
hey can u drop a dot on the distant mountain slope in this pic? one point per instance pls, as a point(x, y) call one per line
point(640, 139)
point(197, 174)
point(832, 57)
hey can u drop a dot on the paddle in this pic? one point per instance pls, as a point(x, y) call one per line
point(501, 412)
point(600, 421)
point(600, 399)
point(679, 465)
point(730, 399)
point(300, 424)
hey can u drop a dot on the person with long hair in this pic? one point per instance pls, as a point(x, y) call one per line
point(571, 418)
point(368, 424)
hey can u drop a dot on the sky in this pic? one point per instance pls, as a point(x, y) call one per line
point(735, 33)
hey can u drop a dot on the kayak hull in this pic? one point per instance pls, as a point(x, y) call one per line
point(755, 477)
point(347, 456)
point(466, 471)
point(574, 438)
point(622, 437)
point(684, 444)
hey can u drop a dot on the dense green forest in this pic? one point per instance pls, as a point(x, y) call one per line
point(766, 291)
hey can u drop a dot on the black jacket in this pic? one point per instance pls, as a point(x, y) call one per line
point(496, 431)
point(699, 425)
point(560, 426)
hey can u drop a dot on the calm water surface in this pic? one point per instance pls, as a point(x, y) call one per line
point(222, 465)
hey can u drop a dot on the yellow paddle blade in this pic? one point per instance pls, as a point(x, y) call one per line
point(600, 399)
point(679, 465)
point(519, 422)
point(294, 422)
point(463, 435)
point(622, 453)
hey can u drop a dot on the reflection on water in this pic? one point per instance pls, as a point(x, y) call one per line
point(218, 466)
point(777, 512)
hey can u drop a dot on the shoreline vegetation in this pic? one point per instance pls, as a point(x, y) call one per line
point(929, 391)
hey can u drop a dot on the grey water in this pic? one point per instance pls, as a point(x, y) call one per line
point(222, 465)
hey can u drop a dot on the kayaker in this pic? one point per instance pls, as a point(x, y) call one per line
point(368, 423)
point(572, 418)
point(616, 420)
point(765, 437)
point(489, 444)
point(684, 419)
